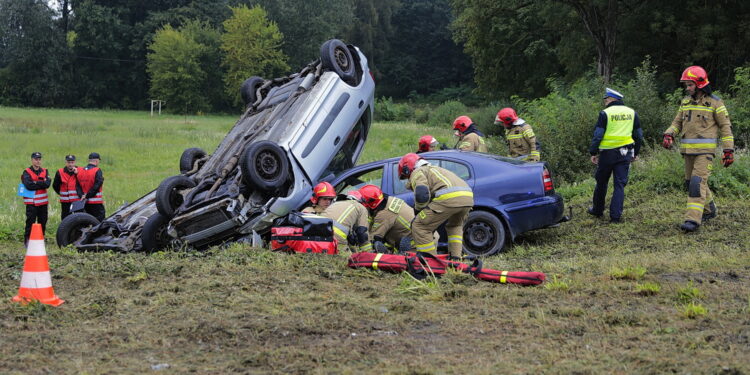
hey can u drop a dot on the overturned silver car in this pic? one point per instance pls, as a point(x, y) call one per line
point(295, 131)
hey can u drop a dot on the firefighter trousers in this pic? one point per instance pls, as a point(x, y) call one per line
point(697, 171)
point(429, 219)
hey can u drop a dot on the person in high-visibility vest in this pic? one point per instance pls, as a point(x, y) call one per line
point(616, 143)
point(66, 185)
point(91, 180)
point(35, 178)
point(703, 121)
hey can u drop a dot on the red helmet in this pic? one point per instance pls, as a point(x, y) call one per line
point(425, 142)
point(461, 123)
point(323, 189)
point(372, 196)
point(507, 116)
point(696, 74)
point(406, 165)
point(354, 195)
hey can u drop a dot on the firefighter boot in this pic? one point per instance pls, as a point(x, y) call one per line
point(689, 226)
point(711, 213)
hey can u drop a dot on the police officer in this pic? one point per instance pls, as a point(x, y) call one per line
point(350, 222)
point(391, 217)
point(323, 196)
point(439, 197)
point(702, 119)
point(92, 180)
point(427, 143)
point(66, 185)
point(616, 143)
point(519, 135)
point(37, 179)
point(469, 137)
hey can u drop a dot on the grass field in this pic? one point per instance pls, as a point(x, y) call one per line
point(638, 297)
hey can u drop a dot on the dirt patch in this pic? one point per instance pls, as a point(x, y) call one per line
point(702, 277)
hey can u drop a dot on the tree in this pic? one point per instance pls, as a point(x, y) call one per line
point(176, 73)
point(251, 45)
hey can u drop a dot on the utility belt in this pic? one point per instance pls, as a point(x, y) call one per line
point(627, 150)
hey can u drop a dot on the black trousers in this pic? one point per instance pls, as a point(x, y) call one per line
point(35, 214)
point(64, 210)
point(611, 164)
point(96, 210)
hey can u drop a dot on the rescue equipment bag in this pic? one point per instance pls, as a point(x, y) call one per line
point(378, 261)
point(298, 233)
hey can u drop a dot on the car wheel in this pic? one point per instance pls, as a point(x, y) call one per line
point(264, 166)
point(188, 158)
point(484, 234)
point(71, 228)
point(249, 89)
point(336, 57)
point(168, 197)
point(154, 234)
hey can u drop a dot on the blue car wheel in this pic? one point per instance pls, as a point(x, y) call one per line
point(484, 234)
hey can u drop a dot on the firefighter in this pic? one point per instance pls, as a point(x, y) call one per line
point(427, 143)
point(519, 135)
point(66, 185)
point(35, 178)
point(350, 223)
point(92, 180)
point(323, 196)
point(391, 218)
point(616, 142)
point(703, 121)
point(469, 137)
point(439, 197)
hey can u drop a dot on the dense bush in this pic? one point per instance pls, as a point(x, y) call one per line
point(737, 104)
point(387, 110)
point(445, 113)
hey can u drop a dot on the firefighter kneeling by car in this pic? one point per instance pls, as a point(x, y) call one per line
point(350, 223)
point(391, 218)
point(439, 197)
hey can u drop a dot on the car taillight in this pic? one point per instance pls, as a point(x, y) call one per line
point(547, 178)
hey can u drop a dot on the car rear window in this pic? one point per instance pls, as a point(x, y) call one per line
point(460, 169)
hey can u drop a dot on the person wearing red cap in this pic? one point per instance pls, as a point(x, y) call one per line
point(323, 196)
point(519, 135)
point(703, 121)
point(469, 137)
point(427, 143)
point(391, 218)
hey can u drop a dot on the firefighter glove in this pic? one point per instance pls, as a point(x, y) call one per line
point(728, 158)
point(668, 141)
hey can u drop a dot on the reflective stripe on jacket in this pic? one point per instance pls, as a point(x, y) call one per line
point(444, 187)
point(68, 191)
point(87, 179)
point(40, 195)
point(702, 121)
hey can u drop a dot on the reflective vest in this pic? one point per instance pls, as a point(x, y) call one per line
point(86, 178)
point(619, 127)
point(40, 196)
point(68, 192)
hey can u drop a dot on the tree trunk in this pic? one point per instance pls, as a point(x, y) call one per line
point(65, 10)
point(602, 26)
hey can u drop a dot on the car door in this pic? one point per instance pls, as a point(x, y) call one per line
point(398, 187)
point(370, 176)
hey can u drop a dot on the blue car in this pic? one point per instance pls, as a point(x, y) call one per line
point(510, 196)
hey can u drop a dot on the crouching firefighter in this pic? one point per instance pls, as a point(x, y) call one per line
point(439, 197)
point(323, 196)
point(350, 223)
point(391, 218)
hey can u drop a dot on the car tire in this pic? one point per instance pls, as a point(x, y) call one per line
point(264, 166)
point(484, 234)
point(188, 158)
point(336, 57)
point(168, 197)
point(69, 230)
point(154, 234)
point(249, 88)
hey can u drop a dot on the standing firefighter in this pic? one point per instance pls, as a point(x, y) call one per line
point(439, 197)
point(91, 180)
point(66, 185)
point(520, 137)
point(616, 142)
point(427, 143)
point(35, 178)
point(701, 119)
point(469, 137)
point(323, 196)
point(392, 218)
point(350, 223)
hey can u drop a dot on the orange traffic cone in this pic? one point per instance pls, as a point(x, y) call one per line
point(36, 283)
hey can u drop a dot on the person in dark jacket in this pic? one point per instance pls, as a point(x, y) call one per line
point(92, 180)
point(66, 185)
point(616, 143)
point(35, 178)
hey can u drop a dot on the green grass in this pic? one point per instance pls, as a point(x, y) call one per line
point(244, 310)
point(628, 273)
point(648, 289)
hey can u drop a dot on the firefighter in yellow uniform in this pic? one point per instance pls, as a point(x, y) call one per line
point(439, 197)
point(469, 137)
point(350, 223)
point(703, 122)
point(323, 196)
point(391, 221)
point(519, 135)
